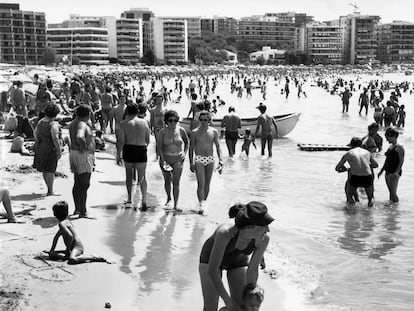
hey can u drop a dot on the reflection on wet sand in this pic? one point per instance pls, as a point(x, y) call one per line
point(123, 236)
point(360, 225)
point(389, 237)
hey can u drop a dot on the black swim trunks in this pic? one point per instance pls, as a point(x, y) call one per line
point(361, 181)
point(135, 154)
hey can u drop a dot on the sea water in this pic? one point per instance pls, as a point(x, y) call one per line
point(321, 256)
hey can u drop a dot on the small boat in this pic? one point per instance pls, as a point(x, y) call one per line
point(408, 73)
point(285, 123)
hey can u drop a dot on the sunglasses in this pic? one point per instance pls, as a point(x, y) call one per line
point(172, 120)
point(205, 120)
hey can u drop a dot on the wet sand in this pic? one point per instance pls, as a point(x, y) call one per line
point(154, 255)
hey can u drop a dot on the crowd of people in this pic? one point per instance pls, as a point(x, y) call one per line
point(94, 106)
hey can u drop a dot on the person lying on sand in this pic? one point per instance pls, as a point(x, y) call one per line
point(74, 247)
point(5, 198)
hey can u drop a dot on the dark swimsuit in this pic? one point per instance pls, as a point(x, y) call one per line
point(135, 154)
point(361, 181)
point(233, 258)
point(391, 161)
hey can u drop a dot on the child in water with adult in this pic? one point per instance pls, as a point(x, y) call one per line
point(248, 139)
point(253, 296)
point(393, 163)
point(74, 247)
point(237, 248)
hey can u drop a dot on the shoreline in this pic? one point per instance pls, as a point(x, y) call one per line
point(143, 247)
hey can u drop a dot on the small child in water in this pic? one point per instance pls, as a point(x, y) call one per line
point(253, 296)
point(401, 116)
point(74, 247)
point(248, 139)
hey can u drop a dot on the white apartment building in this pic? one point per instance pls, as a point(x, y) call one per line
point(193, 25)
point(88, 44)
point(169, 40)
point(324, 43)
point(360, 43)
point(129, 38)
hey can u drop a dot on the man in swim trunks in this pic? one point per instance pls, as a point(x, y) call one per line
point(81, 157)
point(361, 163)
point(134, 136)
point(373, 141)
point(202, 161)
point(157, 117)
point(231, 123)
point(265, 122)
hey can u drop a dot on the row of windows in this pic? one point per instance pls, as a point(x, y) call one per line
point(67, 32)
point(7, 15)
point(20, 51)
point(76, 39)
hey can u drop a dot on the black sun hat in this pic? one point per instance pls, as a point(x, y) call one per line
point(253, 213)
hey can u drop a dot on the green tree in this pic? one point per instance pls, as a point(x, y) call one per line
point(260, 60)
point(75, 60)
point(49, 56)
point(148, 58)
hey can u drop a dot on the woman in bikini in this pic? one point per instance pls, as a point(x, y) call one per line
point(172, 143)
point(201, 155)
point(238, 248)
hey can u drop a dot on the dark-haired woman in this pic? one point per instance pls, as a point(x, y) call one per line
point(237, 248)
point(172, 144)
point(47, 146)
point(393, 163)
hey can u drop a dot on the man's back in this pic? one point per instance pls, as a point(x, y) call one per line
point(359, 160)
point(266, 123)
point(136, 131)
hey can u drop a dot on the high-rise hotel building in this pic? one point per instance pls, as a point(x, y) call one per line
point(360, 44)
point(396, 42)
point(129, 40)
point(274, 31)
point(84, 38)
point(169, 40)
point(22, 35)
point(324, 42)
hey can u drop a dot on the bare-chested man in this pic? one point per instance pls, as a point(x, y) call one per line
point(361, 163)
point(202, 161)
point(119, 112)
point(134, 136)
point(157, 116)
point(265, 122)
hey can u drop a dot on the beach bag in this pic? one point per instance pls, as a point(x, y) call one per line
point(10, 122)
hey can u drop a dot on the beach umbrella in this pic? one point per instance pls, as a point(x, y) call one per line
point(20, 77)
point(31, 88)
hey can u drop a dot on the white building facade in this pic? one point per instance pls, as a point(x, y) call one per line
point(169, 40)
point(129, 38)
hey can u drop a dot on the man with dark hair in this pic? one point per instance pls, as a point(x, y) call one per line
point(373, 141)
point(81, 157)
point(361, 163)
point(265, 123)
point(134, 136)
point(231, 123)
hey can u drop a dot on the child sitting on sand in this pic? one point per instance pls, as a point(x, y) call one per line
point(74, 247)
point(248, 139)
point(5, 198)
point(99, 141)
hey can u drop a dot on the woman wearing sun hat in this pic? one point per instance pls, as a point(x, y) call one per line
point(237, 248)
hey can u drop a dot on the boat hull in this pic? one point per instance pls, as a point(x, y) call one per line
point(285, 123)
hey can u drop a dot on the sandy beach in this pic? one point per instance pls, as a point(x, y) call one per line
point(29, 281)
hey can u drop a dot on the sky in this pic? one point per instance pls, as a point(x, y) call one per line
point(322, 10)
